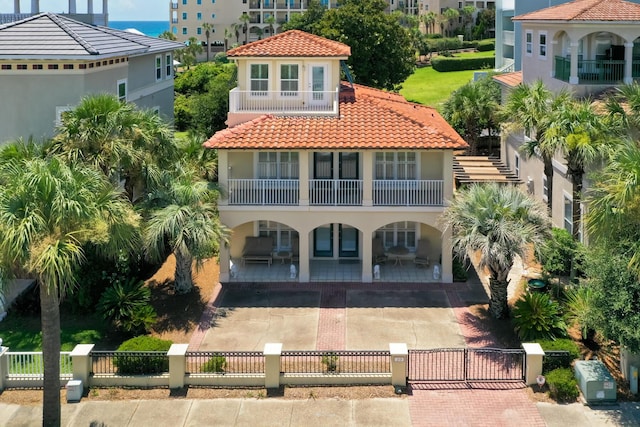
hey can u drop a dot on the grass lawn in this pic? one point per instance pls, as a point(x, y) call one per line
point(430, 87)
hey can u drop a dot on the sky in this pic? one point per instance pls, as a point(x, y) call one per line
point(119, 10)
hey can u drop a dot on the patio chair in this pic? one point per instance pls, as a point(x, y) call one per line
point(377, 251)
point(257, 249)
point(422, 254)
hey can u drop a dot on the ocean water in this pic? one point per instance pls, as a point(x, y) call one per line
point(149, 28)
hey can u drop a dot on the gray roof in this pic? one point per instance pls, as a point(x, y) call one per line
point(51, 36)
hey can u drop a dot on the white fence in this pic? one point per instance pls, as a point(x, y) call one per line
point(26, 368)
point(289, 102)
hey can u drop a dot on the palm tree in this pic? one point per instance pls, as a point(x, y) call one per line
point(450, 15)
point(429, 20)
point(271, 21)
point(207, 27)
point(577, 133)
point(184, 214)
point(531, 107)
point(244, 19)
point(500, 222)
point(227, 35)
point(48, 211)
point(117, 139)
point(236, 29)
point(168, 35)
point(203, 162)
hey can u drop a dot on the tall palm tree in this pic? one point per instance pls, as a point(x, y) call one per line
point(48, 211)
point(236, 29)
point(450, 15)
point(227, 35)
point(429, 20)
point(203, 162)
point(577, 133)
point(124, 143)
point(184, 215)
point(271, 21)
point(531, 107)
point(208, 28)
point(499, 222)
point(244, 19)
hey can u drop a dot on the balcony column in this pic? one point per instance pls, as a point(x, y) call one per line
point(303, 158)
point(447, 179)
point(447, 257)
point(90, 7)
point(35, 6)
point(367, 178)
point(367, 255)
point(224, 256)
point(16, 6)
point(573, 77)
point(224, 172)
point(628, 63)
point(304, 273)
point(72, 6)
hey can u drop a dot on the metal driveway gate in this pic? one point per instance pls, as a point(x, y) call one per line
point(466, 364)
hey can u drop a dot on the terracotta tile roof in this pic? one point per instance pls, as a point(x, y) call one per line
point(369, 119)
point(586, 10)
point(509, 79)
point(292, 43)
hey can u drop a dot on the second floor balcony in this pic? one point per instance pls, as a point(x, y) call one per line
point(597, 71)
point(334, 192)
point(283, 102)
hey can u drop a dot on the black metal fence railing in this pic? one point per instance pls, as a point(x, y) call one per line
point(129, 362)
point(225, 362)
point(335, 362)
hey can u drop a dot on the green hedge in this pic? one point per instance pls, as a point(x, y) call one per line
point(486, 45)
point(563, 386)
point(561, 344)
point(444, 64)
point(139, 365)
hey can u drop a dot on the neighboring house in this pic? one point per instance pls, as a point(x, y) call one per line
point(188, 16)
point(49, 62)
point(585, 46)
point(91, 16)
point(509, 37)
point(323, 166)
point(439, 6)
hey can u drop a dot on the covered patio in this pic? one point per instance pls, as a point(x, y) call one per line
point(402, 271)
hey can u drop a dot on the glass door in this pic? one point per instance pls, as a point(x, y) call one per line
point(348, 241)
point(318, 81)
point(323, 241)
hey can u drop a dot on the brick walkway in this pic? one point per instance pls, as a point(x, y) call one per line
point(332, 319)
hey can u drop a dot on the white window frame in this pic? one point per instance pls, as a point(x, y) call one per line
point(274, 167)
point(282, 234)
point(390, 167)
point(545, 189)
point(289, 94)
point(259, 93)
point(516, 164)
point(399, 232)
point(542, 47)
point(158, 68)
point(168, 66)
point(528, 42)
point(567, 204)
point(122, 98)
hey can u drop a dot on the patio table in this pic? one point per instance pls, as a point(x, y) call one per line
point(398, 252)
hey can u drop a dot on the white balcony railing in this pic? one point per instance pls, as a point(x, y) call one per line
point(264, 191)
point(335, 192)
point(279, 102)
point(408, 193)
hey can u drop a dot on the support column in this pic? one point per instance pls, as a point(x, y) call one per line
point(16, 6)
point(4, 366)
point(367, 255)
point(72, 6)
point(447, 257)
point(573, 76)
point(534, 354)
point(304, 273)
point(224, 173)
point(81, 360)
point(303, 196)
point(628, 63)
point(177, 365)
point(90, 7)
point(399, 359)
point(367, 178)
point(224, 257)
point(35, 6)
point(447, 178)
point(272, 352)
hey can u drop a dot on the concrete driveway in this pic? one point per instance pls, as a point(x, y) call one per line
point(360, 317)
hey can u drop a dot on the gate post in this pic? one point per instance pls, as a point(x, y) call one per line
point(399, 361)
point(272, 353)
point(533, 362)
point(81, 360)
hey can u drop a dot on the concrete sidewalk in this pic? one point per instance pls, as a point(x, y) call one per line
point(219, 412)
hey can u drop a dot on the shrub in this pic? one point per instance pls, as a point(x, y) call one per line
point(577, 308)
point(559, 251)
point(126, 306)
point(563, 386)
point(561, 344)
point(138, 364)
point(537, 316)
point(216, 364)
point(444, 64)
point(459, 270)
point(330, 361)
point(486, 45)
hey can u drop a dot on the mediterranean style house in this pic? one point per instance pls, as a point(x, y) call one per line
point(584, 46)
point(88, 15)
point(48, 62)
point(330, 174)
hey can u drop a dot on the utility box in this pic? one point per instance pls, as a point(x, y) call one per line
point(595, 381)
point(74, 390)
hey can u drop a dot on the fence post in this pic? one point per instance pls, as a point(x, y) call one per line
point(4, 366)
point(399, 361)
point(272, 353)
point(534, 354)
point(177, 364)
point(81, 361)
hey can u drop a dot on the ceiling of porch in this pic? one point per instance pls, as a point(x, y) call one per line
point(470, 169)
